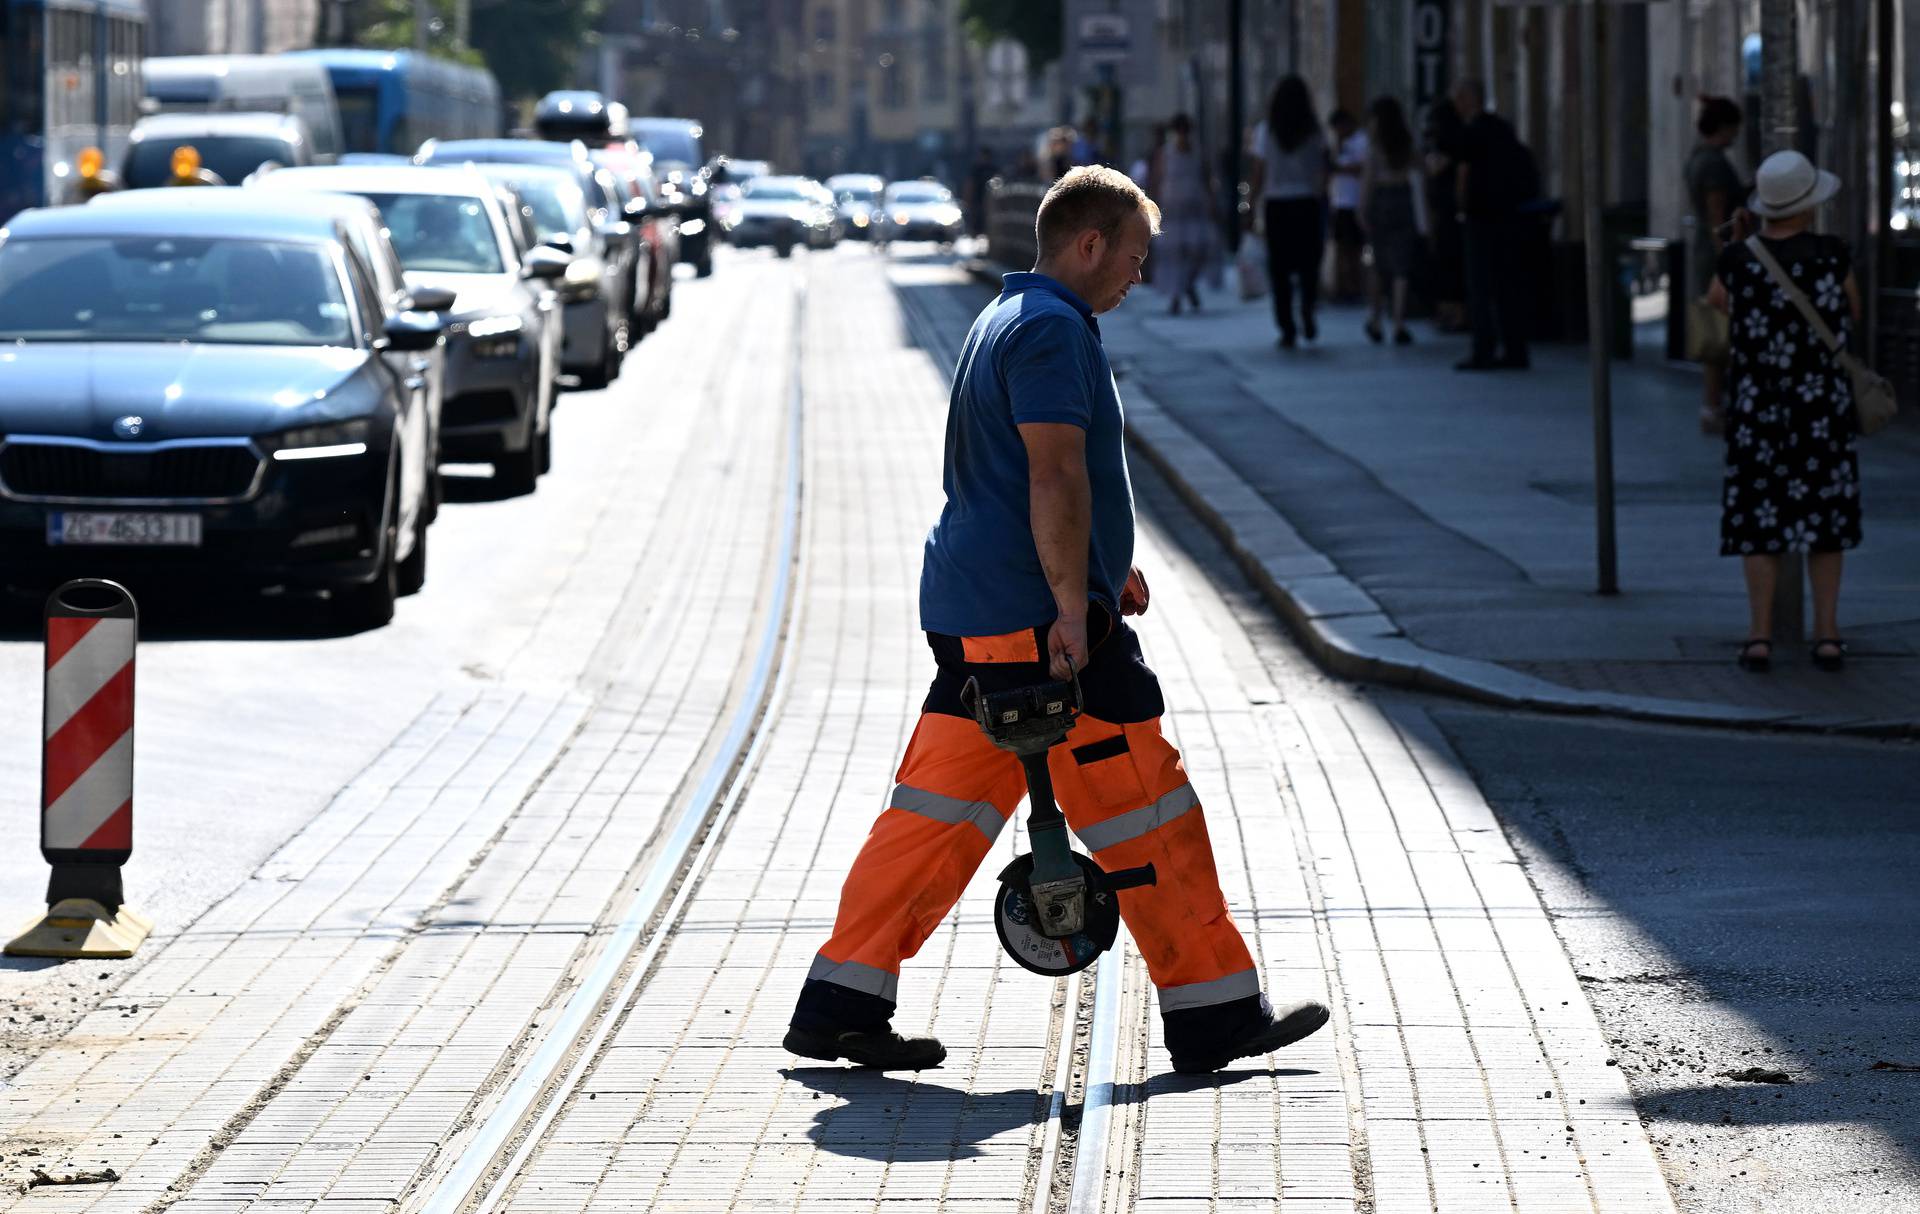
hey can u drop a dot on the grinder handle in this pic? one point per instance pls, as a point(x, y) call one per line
point(1128, 878)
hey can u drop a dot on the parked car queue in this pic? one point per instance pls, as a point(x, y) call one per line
point(259, 384)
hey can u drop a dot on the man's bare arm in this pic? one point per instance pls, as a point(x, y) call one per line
point(1060, 501)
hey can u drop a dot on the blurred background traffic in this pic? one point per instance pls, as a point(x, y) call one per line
point(528, 176)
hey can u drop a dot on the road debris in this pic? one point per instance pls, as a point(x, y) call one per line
point(42, 1178)
point(1905, 1067)
point(1755, 1074)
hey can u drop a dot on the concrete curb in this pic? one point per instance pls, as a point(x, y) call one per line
point(1348, 633)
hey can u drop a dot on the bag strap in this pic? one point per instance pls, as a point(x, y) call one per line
point(1794, 293)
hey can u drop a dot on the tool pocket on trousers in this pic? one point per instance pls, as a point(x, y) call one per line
point(1107, 768)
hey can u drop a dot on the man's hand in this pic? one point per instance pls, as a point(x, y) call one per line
point(1067, 638)
point(1134, 596)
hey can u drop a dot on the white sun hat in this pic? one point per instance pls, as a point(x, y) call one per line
point(1788, 184)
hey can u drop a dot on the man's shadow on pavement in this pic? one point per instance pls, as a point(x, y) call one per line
point(884, 1118)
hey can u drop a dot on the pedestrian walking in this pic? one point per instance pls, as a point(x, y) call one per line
point(1343, 193)
point(1792, 479)
point(1714, 189)
point(1497, 175)
point(1028, 576)
point(1289, 177)
point(1446, 278)
point(1177, 179)
point(1393, 215)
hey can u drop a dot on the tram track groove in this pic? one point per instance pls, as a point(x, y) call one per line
point(1078, 1137)
point(480, 1180)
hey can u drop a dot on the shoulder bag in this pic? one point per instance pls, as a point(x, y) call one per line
point(1873, 396)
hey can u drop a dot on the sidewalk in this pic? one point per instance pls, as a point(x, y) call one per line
point(1430, 528)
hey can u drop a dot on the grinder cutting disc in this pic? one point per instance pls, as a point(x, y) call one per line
point(1013, 918)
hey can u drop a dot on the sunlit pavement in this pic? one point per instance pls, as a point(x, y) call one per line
point(383, 865)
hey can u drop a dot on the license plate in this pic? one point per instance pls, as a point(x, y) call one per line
point(133, 530)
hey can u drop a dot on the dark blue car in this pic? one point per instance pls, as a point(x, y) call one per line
point(189, 396)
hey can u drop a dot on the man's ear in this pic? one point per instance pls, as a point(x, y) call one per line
point(1089, 245)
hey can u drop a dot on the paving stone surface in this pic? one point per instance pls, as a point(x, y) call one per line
point(338, 1023)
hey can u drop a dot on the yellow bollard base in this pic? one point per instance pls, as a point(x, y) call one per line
point(82, 928)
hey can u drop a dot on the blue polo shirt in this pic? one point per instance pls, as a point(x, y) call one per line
point(1033, 355)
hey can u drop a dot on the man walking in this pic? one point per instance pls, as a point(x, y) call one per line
point(1027, 576)
point(1496, 176)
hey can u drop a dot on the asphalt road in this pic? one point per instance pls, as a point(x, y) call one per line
point(251, 714)
point(1734, 901)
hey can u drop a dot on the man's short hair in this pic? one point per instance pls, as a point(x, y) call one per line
point(1090, 196)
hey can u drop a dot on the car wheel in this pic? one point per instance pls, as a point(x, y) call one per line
point(544, 446)
point(517, 472)
point(608, 369)
point(666, 304)
point(704, 267)
point(410, 576)
point(361, 606)
point(784, 249)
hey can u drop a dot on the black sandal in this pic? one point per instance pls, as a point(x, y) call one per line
point(1830, 653)
point(1756, 655)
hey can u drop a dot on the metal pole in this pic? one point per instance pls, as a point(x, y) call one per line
point(1779, 72)
point(1600, 372)
point(1234, 128)
point(422, 16)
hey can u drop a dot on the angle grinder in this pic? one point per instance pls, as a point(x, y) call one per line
point(1056, 911)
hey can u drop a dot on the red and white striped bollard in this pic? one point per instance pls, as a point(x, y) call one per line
point(86, 801)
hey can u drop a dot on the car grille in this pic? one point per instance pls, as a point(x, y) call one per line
point(56, 470)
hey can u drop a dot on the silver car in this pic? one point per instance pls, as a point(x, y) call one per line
point(453, 234)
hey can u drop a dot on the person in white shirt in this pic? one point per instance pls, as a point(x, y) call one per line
point(1349, 165)
point(1289, 176)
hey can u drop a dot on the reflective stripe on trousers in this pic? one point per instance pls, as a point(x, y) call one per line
point(1125, 794)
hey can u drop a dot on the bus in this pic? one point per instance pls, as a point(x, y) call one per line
point(69, 80)
point(393, 101)
point(246, 84)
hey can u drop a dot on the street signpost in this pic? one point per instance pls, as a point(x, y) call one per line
point(1112, 42)
point(1599, 367)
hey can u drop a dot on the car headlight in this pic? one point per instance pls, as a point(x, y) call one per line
point(494, 337)
point(330, 440)
point(902, 218)
point(859, 219)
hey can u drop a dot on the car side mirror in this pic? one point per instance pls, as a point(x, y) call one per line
point(546, 264)
point(433, 299)
point(562, 242)
point(413, 332)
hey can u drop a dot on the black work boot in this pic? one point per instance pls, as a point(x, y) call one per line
point(1260, 1029)
point(882, 1049)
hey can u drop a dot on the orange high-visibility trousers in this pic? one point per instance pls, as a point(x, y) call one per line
point(1124, 792)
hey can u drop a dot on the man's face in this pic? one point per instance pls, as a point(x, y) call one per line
point(1120, 262)
point(1466, 102)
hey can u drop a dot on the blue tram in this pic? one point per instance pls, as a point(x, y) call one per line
point(393, 101)
point(69, 80)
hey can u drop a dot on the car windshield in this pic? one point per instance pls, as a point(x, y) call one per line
point(441, 232)
point(921, 193)
point(559, 209)
point(776, 191)
point(858, 193)
point(668, 143)
point(233, 157)
point(171, 288)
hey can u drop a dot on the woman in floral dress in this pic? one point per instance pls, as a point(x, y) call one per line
point(1792, 481)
